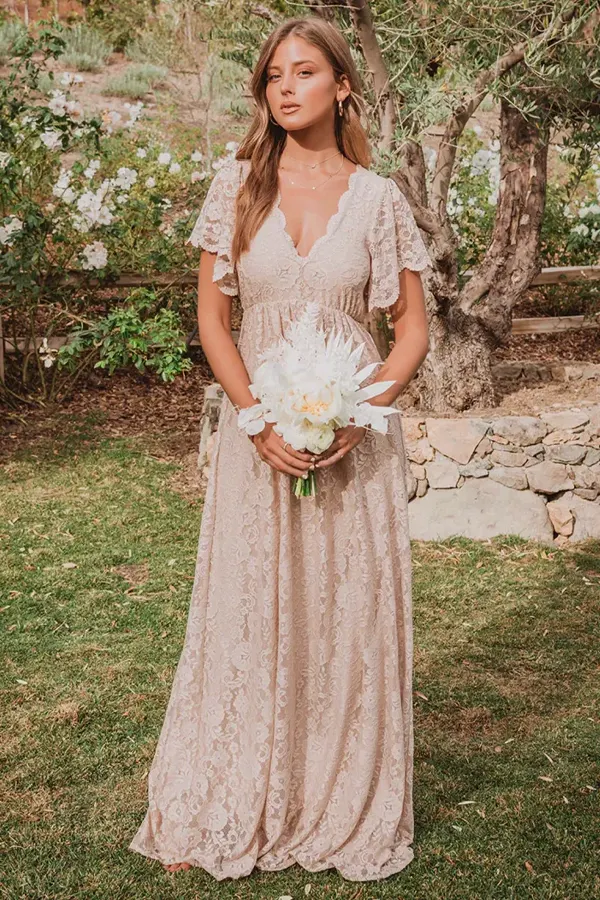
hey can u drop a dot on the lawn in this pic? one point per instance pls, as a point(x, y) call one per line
point(97, 555)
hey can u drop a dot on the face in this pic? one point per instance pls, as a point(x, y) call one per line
point(299, 74)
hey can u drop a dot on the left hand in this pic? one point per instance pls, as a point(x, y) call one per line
point(345, 439)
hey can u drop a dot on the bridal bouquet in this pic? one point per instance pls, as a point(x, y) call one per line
point(308, 384)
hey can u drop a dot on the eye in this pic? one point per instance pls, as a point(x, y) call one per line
point(305, 72)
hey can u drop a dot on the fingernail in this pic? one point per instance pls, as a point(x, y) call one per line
point(312, 466)
point(313, 459)
point(305, 474)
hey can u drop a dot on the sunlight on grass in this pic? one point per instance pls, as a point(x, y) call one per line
point(97, 556)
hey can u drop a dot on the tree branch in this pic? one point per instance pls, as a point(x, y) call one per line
point(362, 20)
point(459, 119)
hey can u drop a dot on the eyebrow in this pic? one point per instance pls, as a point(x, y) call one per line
point(299, 62)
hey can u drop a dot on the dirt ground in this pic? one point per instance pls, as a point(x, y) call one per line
point(168, 415)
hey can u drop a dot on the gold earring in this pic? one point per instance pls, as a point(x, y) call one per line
point(340, 108)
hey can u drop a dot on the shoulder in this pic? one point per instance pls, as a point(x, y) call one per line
point(382, 190)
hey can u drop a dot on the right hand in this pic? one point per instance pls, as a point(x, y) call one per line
point(270, 447)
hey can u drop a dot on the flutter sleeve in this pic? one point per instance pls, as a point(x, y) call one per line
point(395, 243)
point(214, 226)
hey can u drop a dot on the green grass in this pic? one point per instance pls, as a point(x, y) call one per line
point(97, 555)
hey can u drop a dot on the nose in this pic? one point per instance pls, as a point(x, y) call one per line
point(285, 82)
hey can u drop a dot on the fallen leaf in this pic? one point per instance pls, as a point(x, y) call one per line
point(529, 867)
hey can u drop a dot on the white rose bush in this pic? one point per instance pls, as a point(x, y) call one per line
point(82, 200)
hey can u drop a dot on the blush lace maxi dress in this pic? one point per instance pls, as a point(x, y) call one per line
point(288, 735)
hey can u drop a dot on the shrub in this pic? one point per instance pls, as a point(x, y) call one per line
point(85, 49)
point(10, 32)
point(136, 82)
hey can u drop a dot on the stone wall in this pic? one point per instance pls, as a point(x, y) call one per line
point(533, 476)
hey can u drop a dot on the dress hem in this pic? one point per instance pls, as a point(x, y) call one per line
point(403, 855)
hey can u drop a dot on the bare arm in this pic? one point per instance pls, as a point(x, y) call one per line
point(411, 338)
point(214, 329)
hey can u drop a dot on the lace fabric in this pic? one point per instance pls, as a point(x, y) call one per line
point(288, 736)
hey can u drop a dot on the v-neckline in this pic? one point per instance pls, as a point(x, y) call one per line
point(331, 222)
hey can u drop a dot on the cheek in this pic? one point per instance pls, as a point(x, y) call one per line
point(318, 94)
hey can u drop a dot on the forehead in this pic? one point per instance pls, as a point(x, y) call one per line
point(294, 50)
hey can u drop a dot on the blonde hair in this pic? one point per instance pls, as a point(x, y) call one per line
point(264, 142)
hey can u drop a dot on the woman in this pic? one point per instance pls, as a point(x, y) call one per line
point(288, 735)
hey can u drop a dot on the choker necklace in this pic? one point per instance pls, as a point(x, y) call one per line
point(313, 165)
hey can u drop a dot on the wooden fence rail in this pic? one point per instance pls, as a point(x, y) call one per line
point(537, 325)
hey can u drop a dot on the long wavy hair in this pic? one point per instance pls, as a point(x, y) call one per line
point(264, 142)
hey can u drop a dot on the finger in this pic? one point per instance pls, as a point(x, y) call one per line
point(297, 454)
point(286, 465)
point(330, 460)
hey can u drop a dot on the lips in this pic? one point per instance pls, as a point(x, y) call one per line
point(290, 108)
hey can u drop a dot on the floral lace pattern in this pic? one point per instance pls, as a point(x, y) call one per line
point(288, 736)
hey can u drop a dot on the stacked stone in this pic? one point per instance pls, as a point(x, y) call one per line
point(552, 460)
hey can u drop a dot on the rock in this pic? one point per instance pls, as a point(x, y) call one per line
point(498, 439)
point(570, 418)
point(481, 509)
point(484, 446)
point(509, 458)
point(584, 477)
point(561, 517)
point(587, 493)
point(421, 488)
point(587, 518)
point(512, 478)
point(566, 453)
point(418, 471)
point(557, 437)
point(477, 468)
point(442, 472)
point(593, 413)
point(211, 408)
point(411, 483)
point(420, 451)
point(456, 438)
point(549, 478)
point(535, 449)
point(411, 429)
point(522, 430)
point(592, 457)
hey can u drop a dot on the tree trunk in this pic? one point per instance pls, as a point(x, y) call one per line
point(467, 325)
